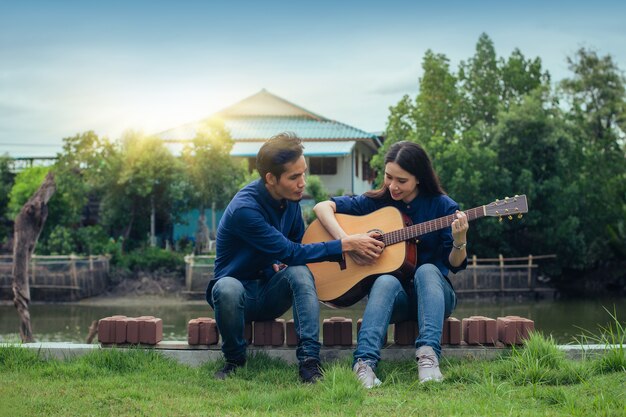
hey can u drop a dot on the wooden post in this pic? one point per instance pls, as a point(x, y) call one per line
point(531, 287)
point(501, 274)
point(189, 271)
point(28, 225)
point(475, 272)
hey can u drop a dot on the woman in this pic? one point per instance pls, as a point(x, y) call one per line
point(412, 186)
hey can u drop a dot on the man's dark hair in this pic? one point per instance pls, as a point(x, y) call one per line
point(279, 150)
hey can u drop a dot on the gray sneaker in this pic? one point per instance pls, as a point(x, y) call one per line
point(365, 374)
point(427, 364)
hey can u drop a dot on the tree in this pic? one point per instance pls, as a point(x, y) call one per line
point(480, 84)
point(28, 225)
point(315, 188)
point(141, 188)
point(79, 172)
point(436, 112)
point(214, 176)
point(596, 95)
point(520, 76)
point(26, 184)
point(400, 124)
point(537, 151)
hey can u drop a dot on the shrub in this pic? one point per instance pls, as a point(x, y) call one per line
point(153, 259)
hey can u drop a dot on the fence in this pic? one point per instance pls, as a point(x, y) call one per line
point(486, 276)
point(58, 278)
point(500, 276)
point(198, 273)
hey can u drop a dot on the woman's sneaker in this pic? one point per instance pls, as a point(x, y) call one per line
point(365, 374)
point(428, 364)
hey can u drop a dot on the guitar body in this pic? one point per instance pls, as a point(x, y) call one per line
point(343, 284)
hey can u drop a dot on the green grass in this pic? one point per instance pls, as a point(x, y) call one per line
point(532, 380)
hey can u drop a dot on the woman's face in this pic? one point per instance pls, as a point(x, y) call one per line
point(402, 185)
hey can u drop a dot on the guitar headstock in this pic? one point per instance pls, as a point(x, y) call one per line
point(508, 207)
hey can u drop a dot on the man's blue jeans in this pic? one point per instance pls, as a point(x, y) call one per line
point(238, 302)
point(430, 300)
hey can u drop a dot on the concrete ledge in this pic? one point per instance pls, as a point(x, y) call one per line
point(198, 355)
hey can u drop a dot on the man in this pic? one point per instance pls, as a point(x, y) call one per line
point(260, 267)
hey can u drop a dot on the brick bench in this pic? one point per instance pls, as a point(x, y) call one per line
point(121, 329)
point(202, 331)
point(336, 331)
point(479, 330)
point(513, 330)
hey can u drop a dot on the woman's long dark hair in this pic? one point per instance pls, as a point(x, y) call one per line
point(412, 158)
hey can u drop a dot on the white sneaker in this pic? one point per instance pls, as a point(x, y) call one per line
point(427, 364)
point(365, 374)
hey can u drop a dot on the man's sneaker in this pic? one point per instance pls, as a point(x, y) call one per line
point(228, 369)
point(427, 364)
point(310, 370)
point(365, 374)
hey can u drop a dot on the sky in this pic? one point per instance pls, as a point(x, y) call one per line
point(67, 67)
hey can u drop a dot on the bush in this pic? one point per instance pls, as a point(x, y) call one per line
point(89, 240)
point(153, 259)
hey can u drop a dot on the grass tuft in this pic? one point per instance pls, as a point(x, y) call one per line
point(612, 337)
point(14, 357)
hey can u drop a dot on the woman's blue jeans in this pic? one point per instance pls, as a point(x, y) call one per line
point(430, 300)
point(238, 302)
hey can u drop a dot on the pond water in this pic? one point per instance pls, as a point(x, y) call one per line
point(69, 322)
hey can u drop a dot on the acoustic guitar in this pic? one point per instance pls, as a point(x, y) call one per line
point(341, 284)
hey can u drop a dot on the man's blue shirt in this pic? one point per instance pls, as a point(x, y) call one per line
point(257, 231)
point(434, 247)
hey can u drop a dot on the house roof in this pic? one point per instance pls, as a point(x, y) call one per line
point(250, 149)
point(262, 115)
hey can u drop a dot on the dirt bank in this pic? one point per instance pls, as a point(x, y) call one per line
point(143, 288)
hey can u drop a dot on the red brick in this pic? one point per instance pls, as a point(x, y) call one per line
point(193, 332)
point(358, 329)
point(514, 329)
point(292, 338)
point(120, 329)
point(278, 332)
point(405, 333)
point(507, 330)
point(207, 331)
point(451, 334)
point(132, 330)
point(479, 330)
point(337, 331)
point(454, 328)
point(106, 328)
point(471, 330)
point(269, 333)
point(150, 331)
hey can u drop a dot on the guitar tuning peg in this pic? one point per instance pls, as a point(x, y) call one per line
point(510, 217)
point(519, 216)
point(500, 219)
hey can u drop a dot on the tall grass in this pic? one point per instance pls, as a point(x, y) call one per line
point(612, 337)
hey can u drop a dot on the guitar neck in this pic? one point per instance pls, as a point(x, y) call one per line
point(416, 230)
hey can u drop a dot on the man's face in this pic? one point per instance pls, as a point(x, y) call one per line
point(291, 184)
